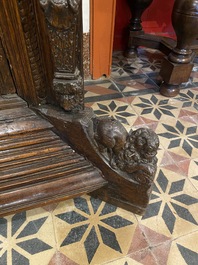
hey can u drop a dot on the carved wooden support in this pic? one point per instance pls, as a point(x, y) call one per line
point(127, 161)
point(43, 45)
point(63, 20)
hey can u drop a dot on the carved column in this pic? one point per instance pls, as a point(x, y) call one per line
point(137, 8)
point(127, 160)
point(177, 68)
point(64, 27)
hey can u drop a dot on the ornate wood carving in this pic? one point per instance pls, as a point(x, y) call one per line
point(28, 22)
point(131, 152)
point(14, 42)
point(63, 19)
point(127, 161)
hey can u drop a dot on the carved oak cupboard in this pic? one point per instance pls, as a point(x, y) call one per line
point(51, 147)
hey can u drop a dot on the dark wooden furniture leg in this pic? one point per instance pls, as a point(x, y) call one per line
point(137, 8)
point(177, 65)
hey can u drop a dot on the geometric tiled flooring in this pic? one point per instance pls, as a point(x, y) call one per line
point(85, 230)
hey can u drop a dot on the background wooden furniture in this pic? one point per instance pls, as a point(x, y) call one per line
point(177, 65)
point(51, 146)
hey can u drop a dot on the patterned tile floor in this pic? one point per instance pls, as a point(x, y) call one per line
point(88, 231)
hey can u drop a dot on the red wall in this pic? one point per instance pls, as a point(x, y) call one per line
point(156, 19)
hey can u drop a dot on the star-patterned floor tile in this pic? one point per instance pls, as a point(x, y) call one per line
point(117, 109)
point(184, 250)
point(156, 107)
point(189, 98)
point(86, 230)
point(180, 137)
point(25, 237)
point(123, 67)
point(100, 91)
point(193, 172)
point(173, 205)
point(132, 84)
point(89, 227)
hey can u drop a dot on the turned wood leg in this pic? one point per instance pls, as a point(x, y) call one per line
point(137, 7)
point(177, 67)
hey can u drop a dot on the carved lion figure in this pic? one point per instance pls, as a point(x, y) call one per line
point(110, 136)
point(139, 152)
point(133, 152)
point(145, 142)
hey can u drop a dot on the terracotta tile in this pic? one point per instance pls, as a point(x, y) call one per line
point(123, 261)
point(144, 122)
point(152, 237)
point(139, 241)
point(161, 252)
point(60, 259)
point(99, 89)
point(50, 207)
point(176, 163)
point(167, 159)
point(188, 116)
point(144, 257)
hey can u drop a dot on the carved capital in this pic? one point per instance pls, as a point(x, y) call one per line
point(69, 93)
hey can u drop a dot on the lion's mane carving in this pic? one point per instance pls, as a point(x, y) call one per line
point(139, 153)
point(131, 152)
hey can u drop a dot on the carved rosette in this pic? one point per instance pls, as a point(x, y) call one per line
point(133, 153)
point(63, 19)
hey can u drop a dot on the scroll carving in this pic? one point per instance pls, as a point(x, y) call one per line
point(63, 19)
point(129, 152)
point(28, 21)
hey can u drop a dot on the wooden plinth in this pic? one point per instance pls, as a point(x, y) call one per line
point(36, 166)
